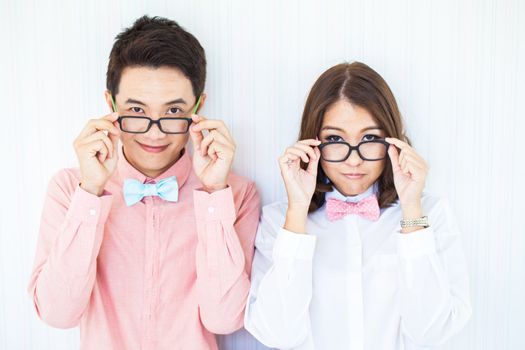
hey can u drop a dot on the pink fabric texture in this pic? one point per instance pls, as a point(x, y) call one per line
point(367, 208)
point(156, 275)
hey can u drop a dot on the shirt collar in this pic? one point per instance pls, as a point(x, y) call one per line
point(181, 169)
point(335, 194)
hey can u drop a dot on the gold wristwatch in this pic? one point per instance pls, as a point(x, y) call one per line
point(421, 222)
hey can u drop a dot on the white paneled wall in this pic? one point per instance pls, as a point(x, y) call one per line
point(456, 67)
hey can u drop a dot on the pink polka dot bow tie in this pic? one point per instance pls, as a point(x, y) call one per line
point(367, 208)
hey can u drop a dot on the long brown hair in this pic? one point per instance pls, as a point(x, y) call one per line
point(362, 86)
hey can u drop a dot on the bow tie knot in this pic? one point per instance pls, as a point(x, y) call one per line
point(367, 208)
point(167, 189)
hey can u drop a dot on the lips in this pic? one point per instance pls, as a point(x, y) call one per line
point(152, 149)
point(354, 176)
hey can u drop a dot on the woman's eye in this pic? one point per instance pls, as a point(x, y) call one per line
point(370, 137)
point(334, 138)
point(136, 110)
point(174, 110)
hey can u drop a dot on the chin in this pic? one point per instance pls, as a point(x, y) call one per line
point(352, 187)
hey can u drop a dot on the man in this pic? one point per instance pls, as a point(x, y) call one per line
point(145, 246)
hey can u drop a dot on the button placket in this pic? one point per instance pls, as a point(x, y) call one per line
point(355, 282)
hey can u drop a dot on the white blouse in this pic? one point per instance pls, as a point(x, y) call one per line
point(357, 284)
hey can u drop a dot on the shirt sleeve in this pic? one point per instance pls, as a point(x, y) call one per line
point(70, 236)
point(434, 284)
point(277, 313)
point(224, 255)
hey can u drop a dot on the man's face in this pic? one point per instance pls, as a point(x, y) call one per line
point(154, 93)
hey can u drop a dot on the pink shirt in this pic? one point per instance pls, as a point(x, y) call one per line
point(156, 275)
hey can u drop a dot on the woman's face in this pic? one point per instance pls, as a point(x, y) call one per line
point(353, 124)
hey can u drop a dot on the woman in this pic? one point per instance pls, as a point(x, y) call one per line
point(358, 257)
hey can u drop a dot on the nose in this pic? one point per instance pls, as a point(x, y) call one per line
point(154, 133)
point(354, 159)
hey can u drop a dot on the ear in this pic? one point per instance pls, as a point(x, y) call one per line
point(107, 96)
point(203, 99)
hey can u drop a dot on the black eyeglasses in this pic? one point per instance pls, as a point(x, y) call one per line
point(170, 125)
point(141, 125)
point(339, 151)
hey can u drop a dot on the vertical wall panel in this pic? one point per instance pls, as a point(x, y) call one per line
point(456, 68)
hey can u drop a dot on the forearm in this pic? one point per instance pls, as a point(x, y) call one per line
point(278, 310)
point(223, 260)
point(296, 219)
point(433, 305)
point(65, 263)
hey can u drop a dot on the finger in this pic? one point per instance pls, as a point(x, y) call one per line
point(405, 169)
point(312, 166)
point(196, 136)
point(95, 125)
point(308, 149)
point(97, 149)
point(411, 151)
point(418, 174)
point(214, 137)
point(206, 142)
point(310, 142)
point(220, 150)
point(221, 138)
point(397, 142)
point(405, 147)
point(114, 141)
point(100, 135)
point(394, 157)
point(112, 117)
point(411, 158)
point(288, 158)
point(298, 152)
point(211, 124)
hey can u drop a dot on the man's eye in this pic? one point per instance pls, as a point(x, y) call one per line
point(136, 110)
point(334, 138)
point(174, 110)
point(370, 137)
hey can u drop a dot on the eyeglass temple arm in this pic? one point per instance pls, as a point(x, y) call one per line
point(194, 111)
point(113, 103)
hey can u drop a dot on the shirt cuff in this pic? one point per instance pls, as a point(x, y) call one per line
point(89, 208)
point(294, 245)
point(218, 205)
point(416, 244)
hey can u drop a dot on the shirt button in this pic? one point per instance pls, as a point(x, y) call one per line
point(92, 212)
point(211, 210)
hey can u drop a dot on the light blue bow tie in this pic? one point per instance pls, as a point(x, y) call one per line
point(167, 189)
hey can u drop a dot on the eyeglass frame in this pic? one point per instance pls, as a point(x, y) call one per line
point(151, 121)
point(352, 148)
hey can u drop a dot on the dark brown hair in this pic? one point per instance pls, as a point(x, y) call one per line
point(362, 86)
point(157, 42)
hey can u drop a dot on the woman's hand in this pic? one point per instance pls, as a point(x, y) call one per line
point(410, 172)
point(299, 183)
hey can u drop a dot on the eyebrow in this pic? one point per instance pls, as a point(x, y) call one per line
point(328, 127)
point(179, 100)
